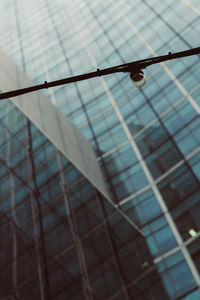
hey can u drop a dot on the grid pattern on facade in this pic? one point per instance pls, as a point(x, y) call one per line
point(135, 133)
point(60, 238)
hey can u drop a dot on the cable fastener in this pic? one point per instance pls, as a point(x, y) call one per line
point(46, 84)
point(98, 72)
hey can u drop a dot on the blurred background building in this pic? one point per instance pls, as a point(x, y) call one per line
point(61, 236)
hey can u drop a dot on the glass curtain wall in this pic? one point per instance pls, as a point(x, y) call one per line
point(60, 238)
point(147, 141)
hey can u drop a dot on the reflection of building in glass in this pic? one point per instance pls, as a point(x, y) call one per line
point(60, 237)
point(147, 141)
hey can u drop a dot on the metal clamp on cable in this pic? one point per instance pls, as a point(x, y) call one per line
point(46, 87)
point(98, 72)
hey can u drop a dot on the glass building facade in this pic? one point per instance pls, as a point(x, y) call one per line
point(147, 143)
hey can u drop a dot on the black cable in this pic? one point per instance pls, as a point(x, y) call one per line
point(128, 67)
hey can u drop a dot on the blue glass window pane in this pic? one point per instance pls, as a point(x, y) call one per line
point(179, 280)
point(194, 296)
